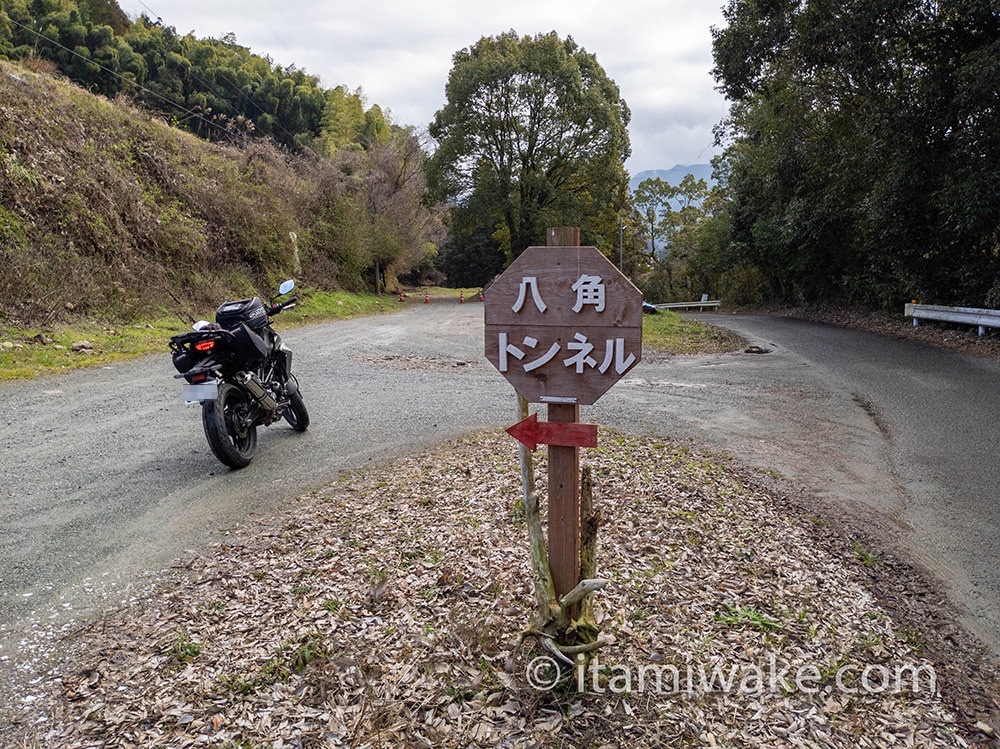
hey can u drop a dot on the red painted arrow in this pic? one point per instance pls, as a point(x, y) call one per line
point(531, 432)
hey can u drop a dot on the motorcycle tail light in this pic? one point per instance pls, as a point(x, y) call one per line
point(200, 377)
point(204, 346)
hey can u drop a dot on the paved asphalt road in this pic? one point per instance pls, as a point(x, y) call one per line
point(106, 475)
point(932, 460)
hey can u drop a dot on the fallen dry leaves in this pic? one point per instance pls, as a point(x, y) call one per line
point(385, 611)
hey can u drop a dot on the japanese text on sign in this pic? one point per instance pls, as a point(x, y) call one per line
point(589, 290)
point(563, 324)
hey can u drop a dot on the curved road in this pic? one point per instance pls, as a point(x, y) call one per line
point(106, 475)
point(921, 448)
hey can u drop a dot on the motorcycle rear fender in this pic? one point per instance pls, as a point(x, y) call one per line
point(185, 357)
point(207, 366)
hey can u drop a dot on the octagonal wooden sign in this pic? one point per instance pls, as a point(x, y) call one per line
point(563, 324)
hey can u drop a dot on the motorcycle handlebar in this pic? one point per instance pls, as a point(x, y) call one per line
point(276, 308)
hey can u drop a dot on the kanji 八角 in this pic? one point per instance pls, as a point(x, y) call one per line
point(526, 282)
point(589, 290)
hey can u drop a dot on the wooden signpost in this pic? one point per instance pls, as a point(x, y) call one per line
point(563, 324)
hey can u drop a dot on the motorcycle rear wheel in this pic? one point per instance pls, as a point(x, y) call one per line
point(224, 419)
point(296, 413)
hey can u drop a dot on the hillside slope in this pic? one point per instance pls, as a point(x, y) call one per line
point(109, 213)
point(104, 209)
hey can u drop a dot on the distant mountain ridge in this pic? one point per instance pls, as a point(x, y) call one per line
point(674, 175)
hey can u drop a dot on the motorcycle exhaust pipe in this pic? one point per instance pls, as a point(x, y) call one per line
point(252, 384)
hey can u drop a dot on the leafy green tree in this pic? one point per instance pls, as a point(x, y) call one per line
point(673, 218)
point(686, 224)
point(652, 199)
point(215, 88)
point(534, 128)
point(345, 123)
point(158, 46)
point(343, 118)
point(862, 147)
point(105, 13)
point(472, 255)
point(376, 131)
point(6, 37)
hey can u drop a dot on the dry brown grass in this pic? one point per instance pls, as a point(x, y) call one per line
point(108, 214)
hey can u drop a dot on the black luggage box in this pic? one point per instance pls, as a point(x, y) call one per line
point(250, 311)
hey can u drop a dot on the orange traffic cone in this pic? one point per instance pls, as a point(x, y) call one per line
point(401, 297)
point(461, 297)
point(427, 297)
point(480, 296)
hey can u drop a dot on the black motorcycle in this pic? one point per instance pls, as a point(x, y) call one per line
point(241, 373)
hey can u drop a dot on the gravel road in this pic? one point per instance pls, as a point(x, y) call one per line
point(106, 476)
point(107, 473)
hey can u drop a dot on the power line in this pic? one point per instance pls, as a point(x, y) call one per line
point(174, 104)
point(233, 87)
point(151, 11)
point(191, 114)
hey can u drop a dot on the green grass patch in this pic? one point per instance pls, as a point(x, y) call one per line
point(863, 555)
point(184, 649)
point(439, 294)
point(31, 352)
point(288, 659)
point(736, 615)
point(322, 306)
point(674, 333)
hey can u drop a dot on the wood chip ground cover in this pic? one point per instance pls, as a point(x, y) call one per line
point(386, 610)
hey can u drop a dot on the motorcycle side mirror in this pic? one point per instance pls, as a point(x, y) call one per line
point(286, 287)
point(201, 324)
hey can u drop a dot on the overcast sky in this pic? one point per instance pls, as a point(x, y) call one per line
point(399, 52)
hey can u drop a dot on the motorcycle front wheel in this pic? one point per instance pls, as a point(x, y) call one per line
point(296, 413)
point(230, 433)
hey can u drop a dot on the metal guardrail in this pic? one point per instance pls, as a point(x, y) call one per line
point(982, 318)
point(701, 304)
